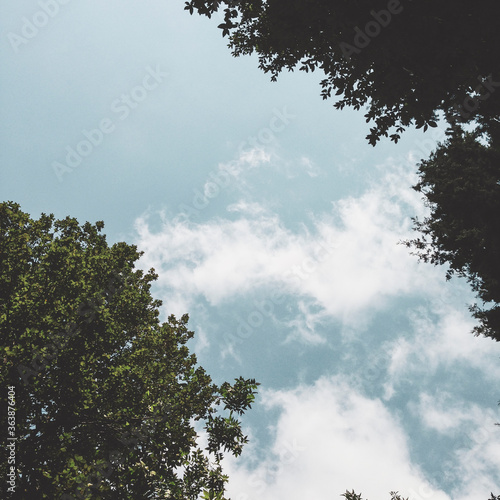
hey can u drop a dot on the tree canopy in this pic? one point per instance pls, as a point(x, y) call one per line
point(403, 61)
point(461, 185)
point(105, 401)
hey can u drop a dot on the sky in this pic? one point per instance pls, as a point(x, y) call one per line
point(272, 222)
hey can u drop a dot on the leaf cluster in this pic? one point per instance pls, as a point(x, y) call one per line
point(461, 185)
point(351, 495)
point(429, 57)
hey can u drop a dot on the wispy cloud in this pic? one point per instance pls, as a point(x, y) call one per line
point(329, 438)
point(347, 261)
point(439, 338)
point(474, 464)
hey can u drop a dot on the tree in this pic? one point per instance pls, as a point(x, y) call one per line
point(405, 61)
point(461, 185)
point(104, 401)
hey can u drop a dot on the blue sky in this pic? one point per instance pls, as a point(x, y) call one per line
point(274, 224)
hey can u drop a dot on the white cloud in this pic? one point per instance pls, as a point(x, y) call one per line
point(330, 438)
point(244, 207)
point(311, 169)
point(440, 337)
point(237, 169)
point(349, 262)
point(346, 267)
point(217, 260)
point(343, 268)
point(303, 327)
point(475, 461)
point(444, 414)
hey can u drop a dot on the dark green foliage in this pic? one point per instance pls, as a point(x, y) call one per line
point(400, 60)
point(461, 184)
point(105, 395)
point(350, 495)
